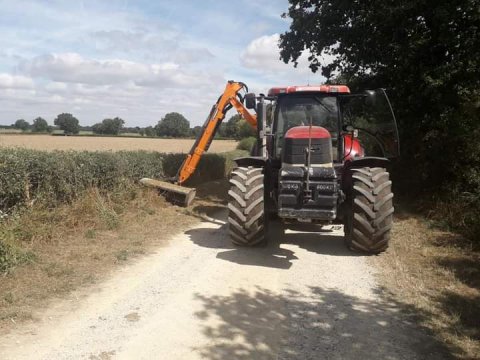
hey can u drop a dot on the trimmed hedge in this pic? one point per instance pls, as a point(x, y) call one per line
point(61, 176)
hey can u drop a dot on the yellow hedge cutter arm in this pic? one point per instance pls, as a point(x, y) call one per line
point(231, 97)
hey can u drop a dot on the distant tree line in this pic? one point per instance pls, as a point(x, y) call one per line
point(39, 125)
point(172, 125)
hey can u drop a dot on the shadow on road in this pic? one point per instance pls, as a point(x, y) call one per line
point(271, 255)
point(312, 238)
point(324, 324)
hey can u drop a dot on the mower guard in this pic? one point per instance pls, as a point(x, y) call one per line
point(176, 194)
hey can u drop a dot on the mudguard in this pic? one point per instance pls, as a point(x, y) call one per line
point(254, 161)
point(367, 161)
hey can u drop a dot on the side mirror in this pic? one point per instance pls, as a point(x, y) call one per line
point(250, 101)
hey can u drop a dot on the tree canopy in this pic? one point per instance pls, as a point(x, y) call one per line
point(21, 124)
point(238, 128)
point(109, 126)
point(385, 38)
point(173, 125)
point(68, 123)
point(150, 131)
point(40, 125)
point(232, 126)
point(197, 130)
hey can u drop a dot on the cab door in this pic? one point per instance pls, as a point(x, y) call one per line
point(370, 117)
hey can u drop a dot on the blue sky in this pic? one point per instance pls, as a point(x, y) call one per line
point(136, 59)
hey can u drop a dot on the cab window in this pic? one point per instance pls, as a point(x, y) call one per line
point(302, 110)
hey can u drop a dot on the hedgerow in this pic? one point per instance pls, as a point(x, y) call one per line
point(61, 176)
point(32, 179)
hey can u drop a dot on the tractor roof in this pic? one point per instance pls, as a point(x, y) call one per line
point(280, 90)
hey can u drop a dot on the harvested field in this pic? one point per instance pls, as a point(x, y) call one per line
point(49, 143)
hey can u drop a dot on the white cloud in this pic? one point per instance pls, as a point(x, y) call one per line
point(55, 86)
point(190, 55)
point(128, 41)
point(262, 58)
point(8, 81)
point(73, 68)
point(166, 45)
point(263, 54)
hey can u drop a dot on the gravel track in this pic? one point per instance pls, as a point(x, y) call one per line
point(304, 296)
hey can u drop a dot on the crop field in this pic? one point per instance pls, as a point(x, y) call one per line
point(49, 143)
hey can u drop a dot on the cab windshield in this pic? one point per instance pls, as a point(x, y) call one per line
point(298, 110)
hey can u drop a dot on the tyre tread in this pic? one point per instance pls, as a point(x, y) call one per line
point(371, 217)
point(246, 206)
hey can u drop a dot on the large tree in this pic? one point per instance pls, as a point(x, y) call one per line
point(221, 131)
point(21, 124)
point(245, 130)
point(68, 123)
point(40, 125)
point(196, 131)
point(173, 125)
point(232, 127)
point(109, 126)
point(238, 128)
point(150, 131)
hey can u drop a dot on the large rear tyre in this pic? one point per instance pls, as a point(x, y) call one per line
point(369, 217)
point(246, 207)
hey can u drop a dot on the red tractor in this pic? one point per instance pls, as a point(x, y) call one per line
point(321, 157)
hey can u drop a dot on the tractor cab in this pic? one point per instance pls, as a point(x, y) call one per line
point(315, 133)
point(364, 123)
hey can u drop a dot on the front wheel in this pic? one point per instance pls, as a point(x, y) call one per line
point(369, 217)
point(246, 207)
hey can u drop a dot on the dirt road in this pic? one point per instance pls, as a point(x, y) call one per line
point(303, 296)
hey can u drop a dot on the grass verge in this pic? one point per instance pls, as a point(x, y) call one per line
point(60, 249)
point(438, 273)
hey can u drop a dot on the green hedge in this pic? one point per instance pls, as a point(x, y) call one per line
point(61, 176)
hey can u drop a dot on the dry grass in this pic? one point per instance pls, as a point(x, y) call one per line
point(78, 244)
point(49, 143)
point(438, 274)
